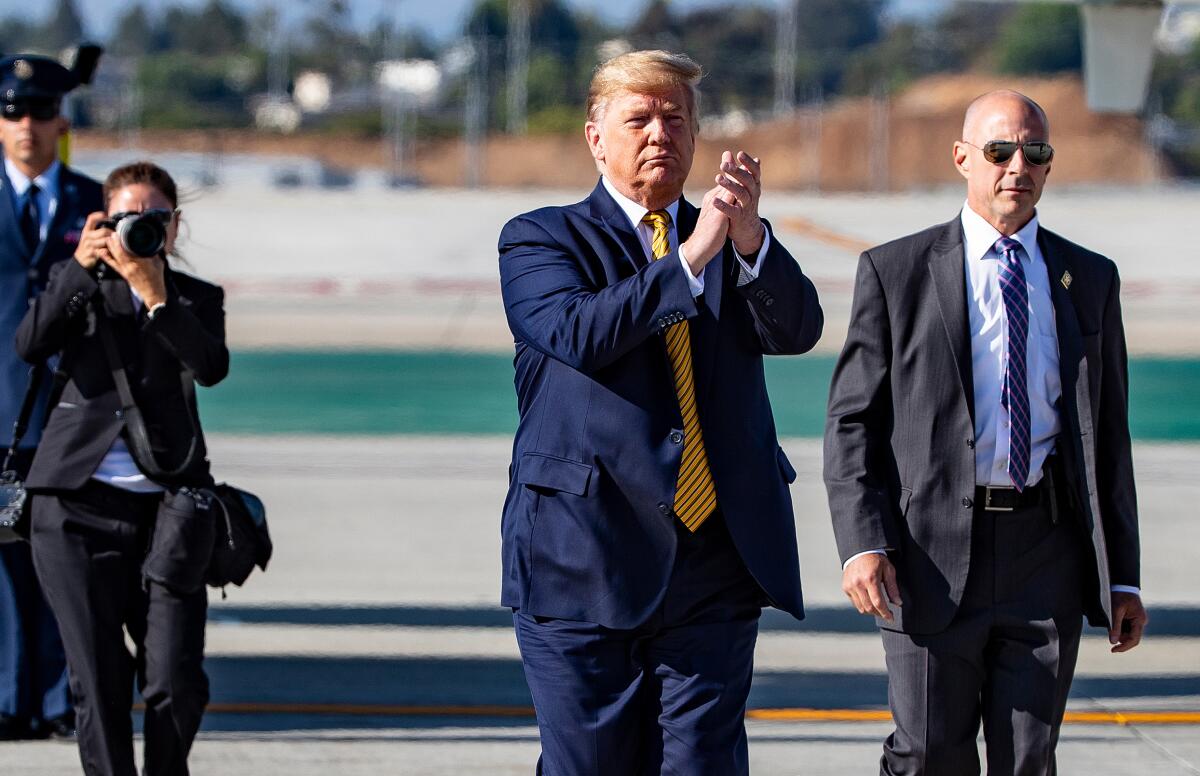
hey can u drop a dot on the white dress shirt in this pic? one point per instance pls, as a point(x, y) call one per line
point(989, 346)
point(645, 233)
point(47, 197)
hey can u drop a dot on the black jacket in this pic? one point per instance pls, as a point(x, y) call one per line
point(188, 333)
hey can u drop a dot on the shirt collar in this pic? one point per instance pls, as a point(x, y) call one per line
point(47, 181)
point(632, 210)
point(979, 236)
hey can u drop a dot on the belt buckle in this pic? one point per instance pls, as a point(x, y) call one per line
point(987, 499)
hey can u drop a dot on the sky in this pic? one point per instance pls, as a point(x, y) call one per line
point(440, 18)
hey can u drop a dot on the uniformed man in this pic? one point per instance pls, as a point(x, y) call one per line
point(43, 206)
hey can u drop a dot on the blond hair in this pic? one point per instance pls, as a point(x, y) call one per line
point(644, 72)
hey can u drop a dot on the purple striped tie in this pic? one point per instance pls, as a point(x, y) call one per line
point(1015, 391)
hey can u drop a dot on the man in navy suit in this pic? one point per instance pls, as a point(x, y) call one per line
point(648, 517)
point(42, 209)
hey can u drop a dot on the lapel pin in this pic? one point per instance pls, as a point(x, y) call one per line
point(1066, 280)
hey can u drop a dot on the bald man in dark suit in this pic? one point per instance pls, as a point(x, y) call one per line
point(977, 460)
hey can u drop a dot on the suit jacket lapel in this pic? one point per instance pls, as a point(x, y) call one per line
point(950, 286)
point(703, 327)
point(117, 299)
point(1066, 324)
point(714, 273)
point(10, 230)
point(616, 223)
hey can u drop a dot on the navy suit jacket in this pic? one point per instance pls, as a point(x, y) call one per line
point(23, 275)
point(588, 529)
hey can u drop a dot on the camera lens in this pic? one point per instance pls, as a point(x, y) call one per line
point(142, 235)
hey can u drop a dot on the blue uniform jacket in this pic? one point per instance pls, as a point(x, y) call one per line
point(587, 526)
point(23, 276)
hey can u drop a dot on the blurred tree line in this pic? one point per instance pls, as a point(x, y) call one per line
point(202, 65)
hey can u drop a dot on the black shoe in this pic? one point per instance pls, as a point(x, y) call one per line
point(13, 729)
point(60, 728)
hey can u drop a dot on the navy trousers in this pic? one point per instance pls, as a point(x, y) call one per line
point(667, 697)
point(33, 668)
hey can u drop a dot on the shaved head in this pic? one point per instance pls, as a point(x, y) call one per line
point(1005, 193)
point(1001, 100)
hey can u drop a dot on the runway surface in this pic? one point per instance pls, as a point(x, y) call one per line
point(374, 643)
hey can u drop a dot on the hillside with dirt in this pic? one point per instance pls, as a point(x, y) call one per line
point(853, 144)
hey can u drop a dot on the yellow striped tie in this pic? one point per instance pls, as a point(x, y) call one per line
point(695, 494)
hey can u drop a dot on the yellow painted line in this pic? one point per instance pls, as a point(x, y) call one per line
point(370, 710)
point(774, 715)
point(1078, 717)
point(820, 715)
point(1135, 717)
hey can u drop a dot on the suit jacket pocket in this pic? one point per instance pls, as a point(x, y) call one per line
point(785, 466)
point(549, 472)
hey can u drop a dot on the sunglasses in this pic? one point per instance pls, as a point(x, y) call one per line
point(1036, 152)
point(40, 110)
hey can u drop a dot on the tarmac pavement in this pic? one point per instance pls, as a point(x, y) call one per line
point(374, 645)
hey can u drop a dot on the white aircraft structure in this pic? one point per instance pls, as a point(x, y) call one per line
point(1118, 50)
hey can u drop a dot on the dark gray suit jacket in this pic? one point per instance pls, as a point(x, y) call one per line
point(899, 437)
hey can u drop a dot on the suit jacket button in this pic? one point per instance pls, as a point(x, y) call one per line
point(968, 503)
point(676, 437)
point(119, 413)
point(666, 510)
point(971, 443)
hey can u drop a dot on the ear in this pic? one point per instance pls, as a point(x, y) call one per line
point(962, 158)
point(595, 140)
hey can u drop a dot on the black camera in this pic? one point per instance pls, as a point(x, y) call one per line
point(142, 234)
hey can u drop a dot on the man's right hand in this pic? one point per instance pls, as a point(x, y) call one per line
point(708, 238)
point(867, 580)
point(93, 243)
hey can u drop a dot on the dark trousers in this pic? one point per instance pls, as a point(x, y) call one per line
point(33, 668)
point(1007, 658)
point(668, 697)
point(88, 546)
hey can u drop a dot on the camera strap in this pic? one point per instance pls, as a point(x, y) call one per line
point(139, 437)
point(21, 426)
point(26, 413)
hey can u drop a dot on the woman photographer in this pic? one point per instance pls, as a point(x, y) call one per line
point(101, 489)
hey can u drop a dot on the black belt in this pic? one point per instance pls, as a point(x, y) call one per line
point(993, 498)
